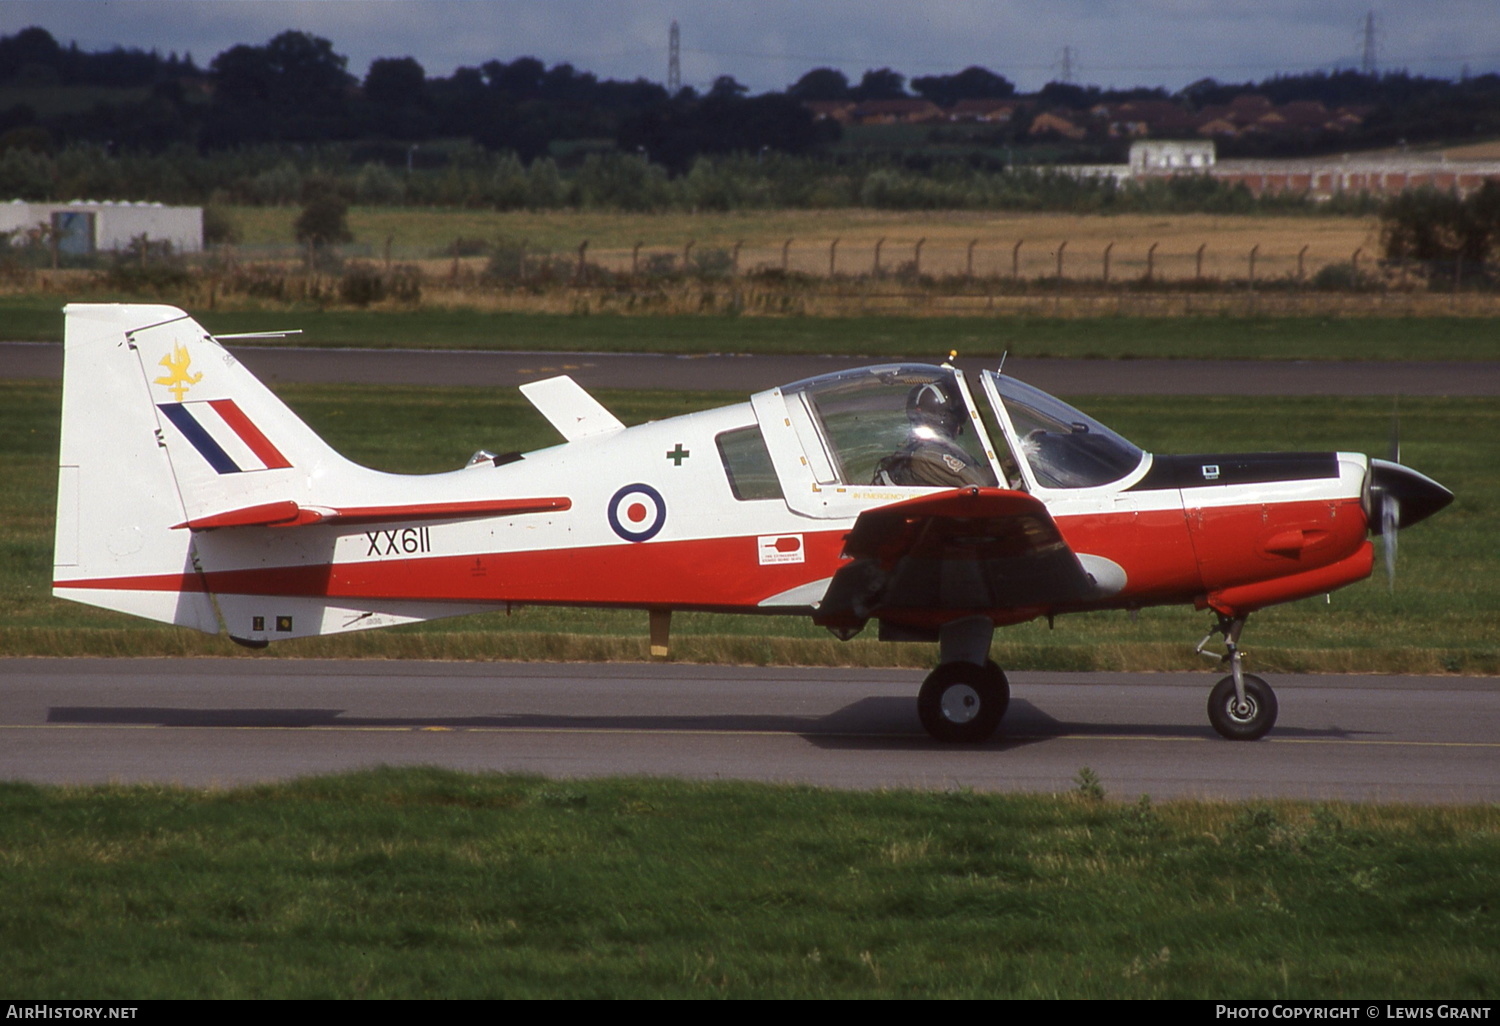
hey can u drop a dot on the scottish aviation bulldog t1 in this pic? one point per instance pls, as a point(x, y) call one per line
point(190, 494)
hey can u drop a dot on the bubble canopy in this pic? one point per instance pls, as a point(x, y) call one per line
point(849, 421)
point(852, 420)
point(1062, 446)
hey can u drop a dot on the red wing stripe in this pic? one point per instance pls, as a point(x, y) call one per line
point(250, 434)
point(289, 514)
point(449, 510)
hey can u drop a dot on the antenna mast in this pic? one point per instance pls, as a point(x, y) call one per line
point(674, 60)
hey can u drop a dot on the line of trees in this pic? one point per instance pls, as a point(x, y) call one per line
point(472, 177)
point(297, 89)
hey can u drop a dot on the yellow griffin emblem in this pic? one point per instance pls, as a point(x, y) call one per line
point(177, 378)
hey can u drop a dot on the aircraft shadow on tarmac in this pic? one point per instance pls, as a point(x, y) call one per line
point(869, 723)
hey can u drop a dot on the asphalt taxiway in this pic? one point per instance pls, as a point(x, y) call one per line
point(223, 722)
point(749, 373)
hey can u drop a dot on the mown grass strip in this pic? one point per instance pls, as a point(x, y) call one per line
point(1271, 338)
point(427, 883)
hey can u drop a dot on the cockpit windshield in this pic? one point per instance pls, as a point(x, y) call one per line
point(900, 424)
point(1064, 447)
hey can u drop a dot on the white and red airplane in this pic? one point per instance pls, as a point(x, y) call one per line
point(190, 494)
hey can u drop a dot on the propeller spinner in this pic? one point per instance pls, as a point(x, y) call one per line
point(1399, 497)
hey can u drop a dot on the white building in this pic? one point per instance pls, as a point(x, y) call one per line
point(1171, 155)
point(87, 226)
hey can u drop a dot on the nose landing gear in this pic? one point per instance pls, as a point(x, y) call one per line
point(1241, 706)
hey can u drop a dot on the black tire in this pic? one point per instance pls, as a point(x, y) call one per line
point(1247, 724)
point(963, 703)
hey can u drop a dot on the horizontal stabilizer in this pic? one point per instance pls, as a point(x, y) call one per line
point(289, 514)
point(570, 409)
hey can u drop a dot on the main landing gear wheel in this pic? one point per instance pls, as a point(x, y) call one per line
point(963, 702)
point(1242, 722)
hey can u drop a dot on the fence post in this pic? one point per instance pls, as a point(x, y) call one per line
point(582, 248)
point(1151, 262)
point(1106, 262)
point(969, 262)
point(1060, 248)
point(1198, 274)
point(784, 247)
point(1301, 253)
point(687, 252)
point(1253, 250)
point(916, 261)
point(833, 249)
point(878, 243)
point(1015, 260)
point(635, 258)
point(1354, 261)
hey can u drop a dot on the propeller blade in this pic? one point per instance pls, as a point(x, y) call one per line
point(1395, 446)
point(1390, 527)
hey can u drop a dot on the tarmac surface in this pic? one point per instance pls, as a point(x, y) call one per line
point(221, 722)
point(746, 374)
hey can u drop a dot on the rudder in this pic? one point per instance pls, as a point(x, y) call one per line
point(160, 426)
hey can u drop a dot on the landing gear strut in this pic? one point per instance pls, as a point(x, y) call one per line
point(964, 699)
point(1242, 706)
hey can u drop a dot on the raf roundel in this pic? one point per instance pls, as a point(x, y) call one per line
point(637, 512)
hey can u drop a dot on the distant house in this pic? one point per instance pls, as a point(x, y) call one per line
point(996, 112)
point(1146, 118)
point(1248, 108)
point(88, 226)
point(898, 112)
point(1050, 122)
point(841, 111)
point(1221, 126)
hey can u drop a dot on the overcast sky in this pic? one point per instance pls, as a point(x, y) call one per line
point(768, 44)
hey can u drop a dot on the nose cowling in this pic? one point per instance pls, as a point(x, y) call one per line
point(1399, 496)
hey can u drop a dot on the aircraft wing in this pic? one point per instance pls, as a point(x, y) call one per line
point(971, 550)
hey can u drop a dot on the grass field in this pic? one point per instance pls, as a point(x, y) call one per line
point(415, 234)
point(1440, 618)
point(423, 884)
point(39, 318)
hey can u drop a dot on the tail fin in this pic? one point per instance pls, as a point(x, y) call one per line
point(162, 426)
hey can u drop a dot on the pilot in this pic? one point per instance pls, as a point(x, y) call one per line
point(930, 457)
